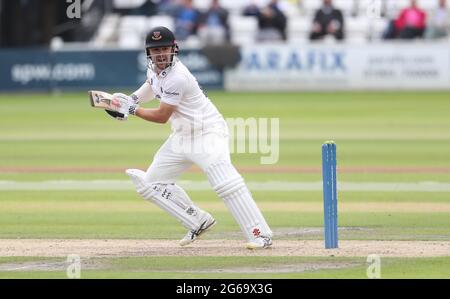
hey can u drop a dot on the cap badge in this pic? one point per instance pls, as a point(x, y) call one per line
point(156, 35)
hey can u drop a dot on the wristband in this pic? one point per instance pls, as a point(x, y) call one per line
point(132, 109)
point(134, 98)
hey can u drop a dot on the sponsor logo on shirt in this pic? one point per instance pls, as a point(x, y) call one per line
point(171, 93)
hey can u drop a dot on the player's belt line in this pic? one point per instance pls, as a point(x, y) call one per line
point(204, 185)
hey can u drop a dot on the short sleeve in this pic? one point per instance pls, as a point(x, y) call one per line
point(173, 90)
point(144, 93)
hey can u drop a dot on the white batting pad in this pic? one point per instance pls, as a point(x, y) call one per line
point(230, 186)
point(171, 198)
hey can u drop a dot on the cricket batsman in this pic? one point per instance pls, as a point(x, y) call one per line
point(199, 136)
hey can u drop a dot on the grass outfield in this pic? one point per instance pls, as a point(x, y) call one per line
point(237, 268)
point(384, 138)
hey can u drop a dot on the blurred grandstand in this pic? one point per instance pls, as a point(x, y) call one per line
point(236, 45)
point(124, 23)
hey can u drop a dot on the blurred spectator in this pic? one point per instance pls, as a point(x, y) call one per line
point(438, 26)
point(213, 25)
point(167, 7)
point(135, 7)
point(186, 20)
point(271, 23)
point(328, 20)
point(409, 24)
point(251, 10)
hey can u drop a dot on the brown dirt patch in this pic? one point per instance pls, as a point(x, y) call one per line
point(124, 248)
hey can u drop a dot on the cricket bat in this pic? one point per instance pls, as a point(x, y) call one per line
point(102, 99)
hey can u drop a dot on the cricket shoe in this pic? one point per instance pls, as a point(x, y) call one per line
point(259, 243)
point(192, 235)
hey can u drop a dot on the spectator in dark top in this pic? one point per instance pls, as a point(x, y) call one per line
point(213, 25)
point(327, 20)
point(123, 7)
point(251, 10)
point(409, 24)
point(186, 20)
point(271, 23)
point(167, 7)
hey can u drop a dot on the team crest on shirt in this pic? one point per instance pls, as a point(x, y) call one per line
point(156, 35)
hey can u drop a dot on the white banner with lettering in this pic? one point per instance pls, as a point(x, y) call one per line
point(341, 67)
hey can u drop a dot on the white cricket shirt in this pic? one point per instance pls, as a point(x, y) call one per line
point(195, 113)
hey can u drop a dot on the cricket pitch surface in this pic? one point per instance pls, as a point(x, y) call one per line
point(131, 248)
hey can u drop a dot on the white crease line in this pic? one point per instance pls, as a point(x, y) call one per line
point(113, 185)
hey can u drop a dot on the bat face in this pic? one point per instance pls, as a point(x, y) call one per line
point(101, 99)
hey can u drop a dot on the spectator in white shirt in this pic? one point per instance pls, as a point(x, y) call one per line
point(438, 26)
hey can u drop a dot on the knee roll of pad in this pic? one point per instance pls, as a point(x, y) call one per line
point(147, 192)
point(221, 174)
point(138, 178)
point(230, 186)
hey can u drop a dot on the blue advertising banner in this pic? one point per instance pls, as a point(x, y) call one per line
point(207, 76)
point(19, 68)
point(44, 70)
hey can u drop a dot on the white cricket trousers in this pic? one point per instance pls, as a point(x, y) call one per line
point(179, 152)
point(210, 151)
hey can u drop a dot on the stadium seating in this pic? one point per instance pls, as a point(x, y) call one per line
point(161, 20)
point(132, 31)
point(346, 6)
point(107, 32)
point(298, 29)
point(427, 4)
point(243, 29)
point(362, 24)
point(357, 29)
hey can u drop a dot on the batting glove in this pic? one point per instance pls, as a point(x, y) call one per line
point(117, 115)
point(124, 104)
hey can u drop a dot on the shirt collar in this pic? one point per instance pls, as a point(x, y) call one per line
point(163, 74)
point(166, 71)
